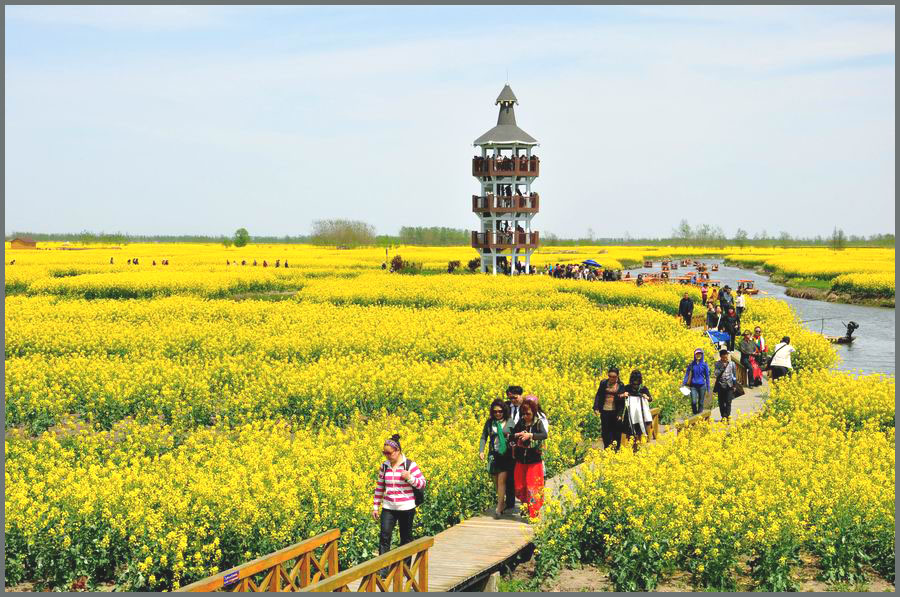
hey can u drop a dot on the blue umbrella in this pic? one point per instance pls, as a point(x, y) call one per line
point(592, 263)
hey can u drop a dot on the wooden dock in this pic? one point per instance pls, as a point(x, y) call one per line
point(473, 549)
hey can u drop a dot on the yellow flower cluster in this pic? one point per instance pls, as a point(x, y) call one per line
point(159, 510)
point(868, 285)
point(844, 400)
point(763, 488)
point(217, 430)
point(866, 272)
point(200, 362)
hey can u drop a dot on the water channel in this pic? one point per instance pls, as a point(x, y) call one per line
point(873, 348)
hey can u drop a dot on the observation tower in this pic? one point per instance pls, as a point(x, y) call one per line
point(506, 170)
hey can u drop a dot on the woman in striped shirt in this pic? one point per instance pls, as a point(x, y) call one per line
point(397, 477)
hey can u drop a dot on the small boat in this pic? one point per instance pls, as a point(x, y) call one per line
point(701, 267)
point(715, 267)
point(665, 267)
point(846, 338)
point(748, 287)
point(648, 263)
point(673, 265)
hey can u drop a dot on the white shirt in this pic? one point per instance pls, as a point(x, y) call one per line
point(739, 302)
point(782, 356)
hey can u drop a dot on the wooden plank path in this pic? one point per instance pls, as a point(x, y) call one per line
point(478, 546)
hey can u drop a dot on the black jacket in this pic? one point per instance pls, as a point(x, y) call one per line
point(686, 307)
point(730, 324)
point(600, 397)
point(530, 453)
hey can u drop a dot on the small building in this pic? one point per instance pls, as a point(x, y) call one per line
point(22, 242)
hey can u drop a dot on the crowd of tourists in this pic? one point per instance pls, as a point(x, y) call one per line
point(516, 429)
point(573, 271)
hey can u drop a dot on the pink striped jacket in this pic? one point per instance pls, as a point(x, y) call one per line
point(392, 491)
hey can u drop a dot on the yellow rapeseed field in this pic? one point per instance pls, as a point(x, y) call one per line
point(165, 422)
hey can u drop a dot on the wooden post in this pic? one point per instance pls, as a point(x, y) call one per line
point(423, 571)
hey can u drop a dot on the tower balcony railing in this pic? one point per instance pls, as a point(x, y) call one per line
point(504, 203)
point(500, 240)
point(515, 166)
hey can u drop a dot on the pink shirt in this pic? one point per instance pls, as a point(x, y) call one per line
point(392, 491)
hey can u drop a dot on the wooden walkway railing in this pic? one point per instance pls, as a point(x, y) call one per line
point(400, 576)
point(274, 572)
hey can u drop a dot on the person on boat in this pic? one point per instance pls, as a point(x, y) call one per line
point(747, 348)
point(398, 476)
point(739, 302)
point(696, 378)
point(781, 359)
point(608, 405)
point(514, 399)
point(499, 457)
point(712, 316)
point(528, 436)
point(686, 309)
point(636, 414)
point(726, 378)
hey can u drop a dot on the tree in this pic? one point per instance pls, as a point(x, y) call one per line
point(784, 239)
point(683, 232)
point(342, 233)
point(241, 237)
point(740, 237)
point(838, 240)
point(227, 242)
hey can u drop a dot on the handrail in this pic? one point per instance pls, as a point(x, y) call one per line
point(682, 425)
point(400, 576)
point(276, 577)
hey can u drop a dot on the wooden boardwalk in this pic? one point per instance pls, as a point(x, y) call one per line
point(478, 546)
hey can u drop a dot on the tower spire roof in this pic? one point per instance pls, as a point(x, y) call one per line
point(506, 131)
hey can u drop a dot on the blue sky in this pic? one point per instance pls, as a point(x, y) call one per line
point(203, 119)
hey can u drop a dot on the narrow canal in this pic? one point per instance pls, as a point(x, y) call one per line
point(871, 352)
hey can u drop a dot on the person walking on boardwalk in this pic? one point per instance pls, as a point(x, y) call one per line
point(731, 325)
point(747, 348)
point(608, 405)
point(725, 299)
point(399, 482)
point(712, 316)
point(781, 359)
point(513, 402)
point(686, 309)
point(499, 457)
point(696, 378)
point(528, 437)
point(704, 292)
point(726, 377)
point(739, 303)
point(637, 419)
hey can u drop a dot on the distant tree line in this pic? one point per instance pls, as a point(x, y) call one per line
point(355, 233)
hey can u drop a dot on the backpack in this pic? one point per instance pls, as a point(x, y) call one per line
point(418, 494)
